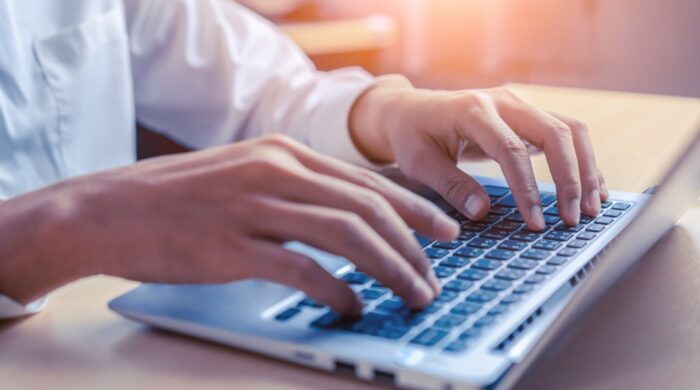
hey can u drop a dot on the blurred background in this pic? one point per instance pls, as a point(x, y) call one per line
point(649, 46)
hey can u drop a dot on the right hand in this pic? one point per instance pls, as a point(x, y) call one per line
point(222, 214)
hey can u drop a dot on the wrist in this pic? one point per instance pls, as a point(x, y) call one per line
point(374, 114)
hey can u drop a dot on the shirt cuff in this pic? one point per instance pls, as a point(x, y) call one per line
point(10, 309)
point(330, 133)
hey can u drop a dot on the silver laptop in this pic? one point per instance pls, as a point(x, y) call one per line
point(508, 294)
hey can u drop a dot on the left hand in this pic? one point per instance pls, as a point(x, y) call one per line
point(428, 132)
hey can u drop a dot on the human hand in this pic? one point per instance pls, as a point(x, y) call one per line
point(428, 132)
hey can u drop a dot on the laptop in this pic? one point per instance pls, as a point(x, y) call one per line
point(508, 294)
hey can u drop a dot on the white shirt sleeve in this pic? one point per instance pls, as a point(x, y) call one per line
point(208, 72)
point(10, 309)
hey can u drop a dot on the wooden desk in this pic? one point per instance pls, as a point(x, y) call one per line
point(643, 334)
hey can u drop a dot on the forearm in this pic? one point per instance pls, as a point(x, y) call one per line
point(38, 247)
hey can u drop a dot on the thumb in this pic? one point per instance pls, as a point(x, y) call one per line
point(434, 168)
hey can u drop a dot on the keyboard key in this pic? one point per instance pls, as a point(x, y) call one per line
point(523, 264)
point(494, 234)
point(562, 227)
point(512, 245)
point(465, 308)
point(546, 269)
point(547, 198)
point(524, 236)
point(309, 303)
point(471, 226)
point(515, 217)
point(523, 289)
point(371, 294)
point(604, 220)
point(500, 254)
point(552, 211)
point(486, 264)
point(551, 219)
point(496, 191)
point(432, 308)
point(484, 322)
point(558, 236)
point(586, 219)
point(612, 213)
point(393, 305)
point(481, 296)
point(470, 334)
point(535, 279)
point(392, 333)
point(577, 244)
point(472, 274)
point(482, 243)
point(449, 321)
point(423, 241)
point(429, 337)
point(508, 201)
point(496, 285)
point(356, 278)
point(454, 262)
point(468, 252)
point(596, 228)
point(511, 299)
point(510, 274)
point(507, 226)
point(466, 236)
point(586, 236)
point(457, 346)
point(621, 206)
point(498, 210)
point(326, 321)
point(447, 244)
point(446, 296)
point(606, 204)
point(557, 260)
point(435, 253)
point(458, 285)
point(287, 314)
point(567, 252)
point(549, 245)
point(490, 218)
point(536, 254)
point(498, 310)
point(443, 272)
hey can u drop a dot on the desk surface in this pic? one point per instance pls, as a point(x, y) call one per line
point(643, 334)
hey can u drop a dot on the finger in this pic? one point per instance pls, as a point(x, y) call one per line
point(555, 138)
point(420, 214)
point(590, 176)
point(499, 141)
point(344, 234)
point(438, 171)
point(318, 189)
point(283, 266)
point(604, 194)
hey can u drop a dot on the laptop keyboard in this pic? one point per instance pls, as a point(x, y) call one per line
point(490, 269)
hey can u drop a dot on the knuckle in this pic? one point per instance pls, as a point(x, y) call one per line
point(306, 271)
point(346, 225)
point(511, 146)
point(578, 126)
point(451, 185)
point(375, 207)
point(561, 131)
point(279, 140)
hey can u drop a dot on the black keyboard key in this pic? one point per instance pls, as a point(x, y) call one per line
point(449, 321)
point(577, 244)
point(466, 236)
point(510, 274)
point(508, 201)
point(551, 219)
point(443, 272)
point(558, 236)
point(494, 234)
point(567, 252)
point(469, 252)
point(486, 264)
point(287, 314)
point(447, 244)
point(557, 260)
point(473, 274)
point(471, 226)
point(498, 210)
point(482, 243)
point(535, 254)
point(562, 227)
point(465, 308)
point(586, 236)
point(621, 206)
point(507, 226)
point(515, 217)
point(435, 253)
point(454, 262)
point(523, 289)
point(457, 346)
point(523, 264)
point(446, 296)
point(356, 278)
point(612, 213)
point(500, 254)
point(481, 296)
point(371, 294)
point(535, 279)
point(604, 220)
point(596, 228)
point(490, 218)
point(606, 204)
point(458, 285)
point(429, 337)
point(586, 219)
point(497, 191)
point(546, 269)
point(524, 236)
point(545, 244)
point(512, 245)
point(496, 285)
point(423, 241)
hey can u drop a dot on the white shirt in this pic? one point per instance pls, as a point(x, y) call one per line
point(75, 76)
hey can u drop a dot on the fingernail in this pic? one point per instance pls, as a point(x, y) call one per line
point(473, 205)
point(594, 200)
point(537, 216)
point(434, 283)
point(575, 209)
point(445, 226)
point(424, 294)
